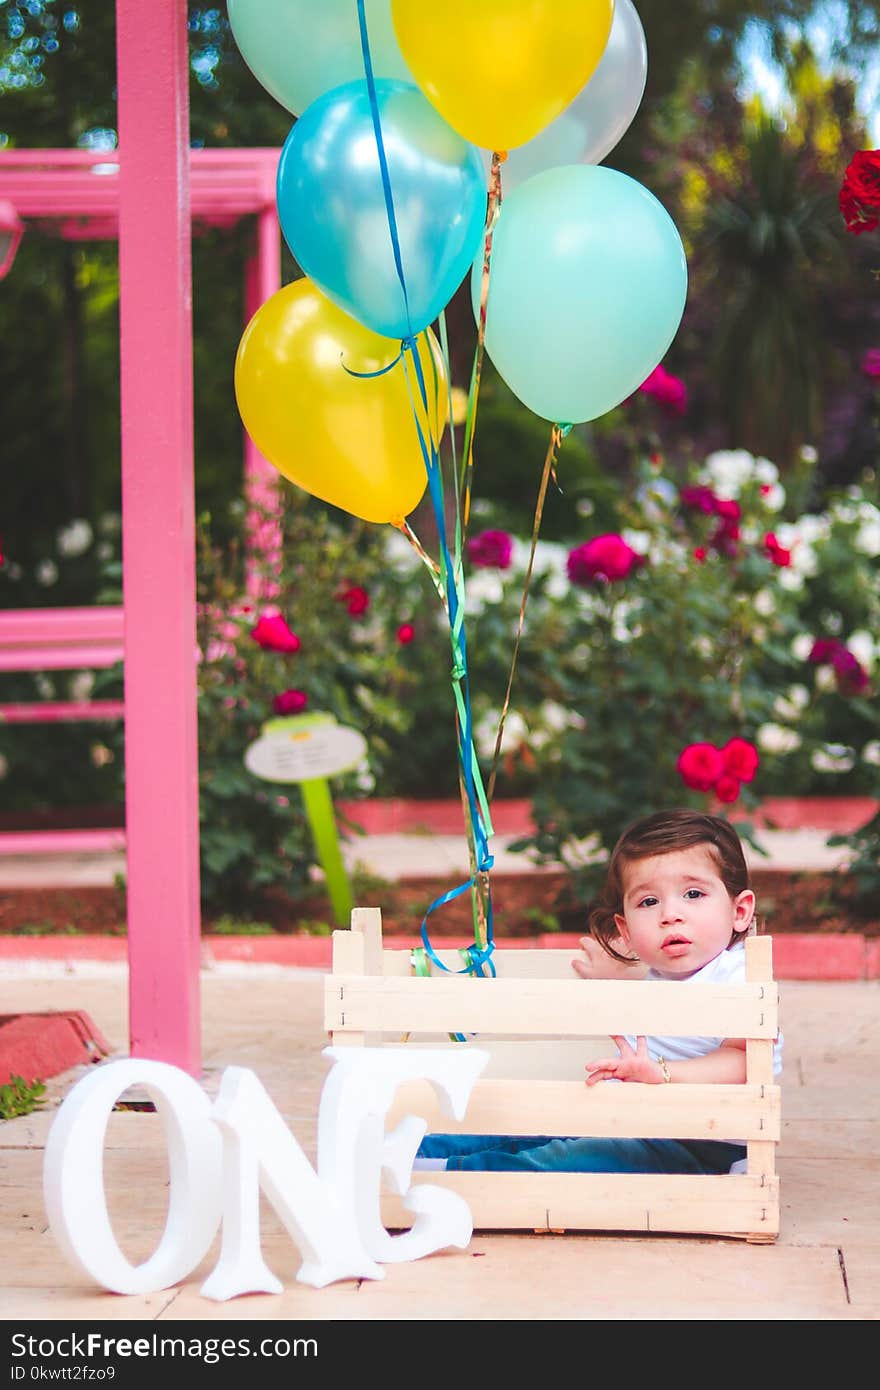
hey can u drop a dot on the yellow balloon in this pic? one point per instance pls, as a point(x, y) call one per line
point(351, 441)
point(499, 71)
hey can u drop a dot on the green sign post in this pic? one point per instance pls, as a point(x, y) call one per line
point(308, 749)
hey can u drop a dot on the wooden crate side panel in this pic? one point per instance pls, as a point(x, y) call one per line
point(571, 1109)
point(569, 1008)
point(726, 1205)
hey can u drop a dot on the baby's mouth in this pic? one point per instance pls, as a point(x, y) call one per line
point(675, 944)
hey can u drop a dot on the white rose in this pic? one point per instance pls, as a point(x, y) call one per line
point(728, 469)
point(46, 573)
point(793, 702)
point(81, 685)
point(766, 472)
point(765, 602)
point(833, 757)
point(802, 646)
point(773, 738)
point(75, 538)
point(861, 644)
point(871, 753)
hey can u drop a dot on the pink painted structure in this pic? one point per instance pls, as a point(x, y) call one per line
point(152, 194)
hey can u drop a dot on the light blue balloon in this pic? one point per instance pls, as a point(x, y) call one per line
point(587, 287)
point(332, 208)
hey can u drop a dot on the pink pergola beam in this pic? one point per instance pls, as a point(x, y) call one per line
point(158, 510)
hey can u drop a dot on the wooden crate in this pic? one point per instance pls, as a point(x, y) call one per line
point(374, 997)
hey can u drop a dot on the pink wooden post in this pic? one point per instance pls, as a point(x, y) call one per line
point(158, 531)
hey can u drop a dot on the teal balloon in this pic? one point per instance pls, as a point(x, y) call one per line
point(332, 209)
point(299, 49)
point(587, 286)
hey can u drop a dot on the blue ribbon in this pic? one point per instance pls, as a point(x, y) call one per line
point(479, 957)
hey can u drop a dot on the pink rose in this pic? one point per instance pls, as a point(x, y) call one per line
point(859, 196)
point(273, 635)
point(667, 390)
point(700, 765)
point(491, 550)
point(740, 760)
point(604, 557)
point(290, 702)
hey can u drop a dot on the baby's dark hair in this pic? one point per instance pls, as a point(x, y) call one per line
point(663, 833)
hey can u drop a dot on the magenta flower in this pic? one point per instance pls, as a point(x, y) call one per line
point(871, 362)
point(667, 390)
point(273, 635)
point(727, 788)
point(852, 678)
point(824, 650)
point(699, 499)
point(491, 550)
point(604, 557)
point(290, 702)
point(406, 634)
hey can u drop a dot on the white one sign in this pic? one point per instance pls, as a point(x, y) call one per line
point(306, 753)
point(222, 1155)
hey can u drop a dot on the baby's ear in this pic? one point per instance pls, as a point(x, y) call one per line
point(743, 910)
point(623, 929)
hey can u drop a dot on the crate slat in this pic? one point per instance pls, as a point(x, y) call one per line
point(571, 1008)
point(571, 1109)
point(729, 1205)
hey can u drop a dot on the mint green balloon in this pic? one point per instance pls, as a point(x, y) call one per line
point(587, 287)
point(300, 49)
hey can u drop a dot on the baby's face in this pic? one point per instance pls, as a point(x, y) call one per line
point(677, 913)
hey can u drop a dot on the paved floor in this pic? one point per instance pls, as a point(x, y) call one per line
point(825, 1264)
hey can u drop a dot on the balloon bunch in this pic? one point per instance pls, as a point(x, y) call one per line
point(578, 279)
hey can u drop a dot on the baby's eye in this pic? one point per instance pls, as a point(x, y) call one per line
point(647, 902)
point(694, 893)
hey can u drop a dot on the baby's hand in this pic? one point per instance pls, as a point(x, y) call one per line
point(628, 1066)
point(595, 964)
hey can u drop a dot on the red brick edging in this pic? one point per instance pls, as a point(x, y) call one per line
point(796, 955)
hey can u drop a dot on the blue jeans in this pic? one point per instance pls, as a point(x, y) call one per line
point(506, 1153)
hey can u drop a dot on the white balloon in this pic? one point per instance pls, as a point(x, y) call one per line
point(599, 115)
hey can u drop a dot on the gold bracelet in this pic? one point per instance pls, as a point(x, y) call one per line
point(664, 1067)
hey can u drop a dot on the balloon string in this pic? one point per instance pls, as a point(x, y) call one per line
point(557, 434)
point(492, 210)
point(450, 575)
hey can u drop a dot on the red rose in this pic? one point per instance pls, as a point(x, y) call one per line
point(290, 702)
point(727, 788)
point(700, 765)
point(776, 552)
point(728, 509)
point(406, 634)
point(740, 760)
point(604, 557)
point(356, 599)
point(491, 550)
point(700, 554)
point(859, 196)
point(862, 177)
point(273, 634)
